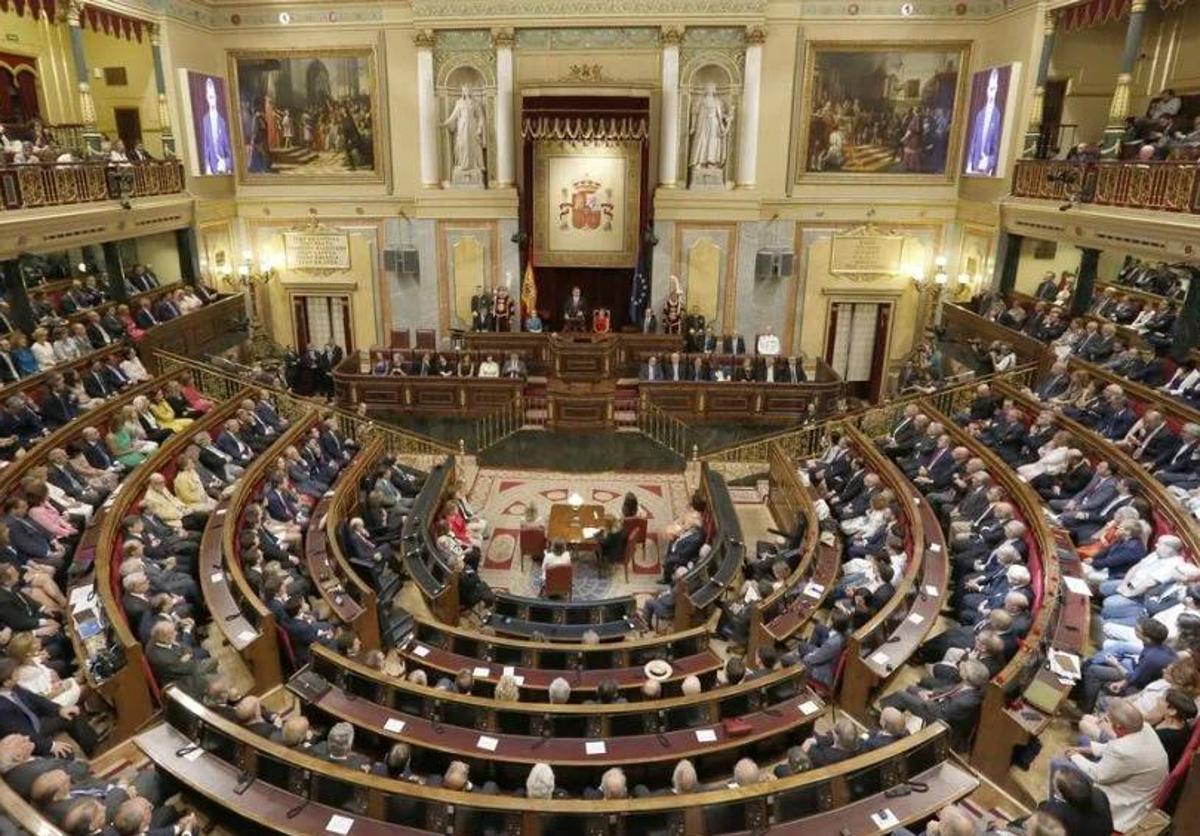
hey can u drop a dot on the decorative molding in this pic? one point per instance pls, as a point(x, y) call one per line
point(424, 39)
point(671, 36)
point(463, 40)
point(956, 9)
point(465, 9)
point(709, 37)
point(584, 73)
point(574, 39)
point(756, 36)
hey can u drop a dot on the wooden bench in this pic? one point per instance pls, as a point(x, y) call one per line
point(828, 796)
point(531, 716)
point(886, 642)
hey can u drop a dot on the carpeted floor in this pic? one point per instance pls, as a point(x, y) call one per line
point(502, 496)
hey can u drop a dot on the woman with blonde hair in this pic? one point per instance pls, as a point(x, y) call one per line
point(43, 351)
point(34, 675)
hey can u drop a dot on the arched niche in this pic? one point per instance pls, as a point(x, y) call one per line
point(723, 72)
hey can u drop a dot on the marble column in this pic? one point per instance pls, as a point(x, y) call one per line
point(747, 159)
point(505, 163)
point(1119, 108)
point(426, 111)
point(1085, 281)
point(87, 107)
point(668, 153)
point(160, 86)
point(1034, 131)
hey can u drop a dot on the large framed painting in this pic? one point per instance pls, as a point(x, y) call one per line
point(585, 203)
point(993, 99)
point(307, 115)
point(882, 110)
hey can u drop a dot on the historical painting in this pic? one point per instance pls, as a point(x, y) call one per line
point(210, 141)
point(586, 203)
point(309, 115)
point(882, 109)
point(988, 131)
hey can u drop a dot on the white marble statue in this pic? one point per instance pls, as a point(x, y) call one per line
point(708, 129)
point(469, 134)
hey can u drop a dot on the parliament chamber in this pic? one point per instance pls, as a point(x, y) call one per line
point(615, 417)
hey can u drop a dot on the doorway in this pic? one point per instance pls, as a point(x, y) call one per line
point(129, 126)
point(318, 320)
point(1055, 136)
point(857, 344)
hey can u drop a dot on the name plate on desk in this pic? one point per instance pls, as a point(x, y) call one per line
point(866, 255)
point(317, 250)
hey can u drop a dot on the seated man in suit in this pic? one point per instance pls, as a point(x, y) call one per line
point(681, 551)
point(338, 748)
point(365, 555)
point(956, 705)
point(144, 317)
point(231, 444)
point(39, 719)
point(842, 743)
point(1181, 467)
point(174, 663)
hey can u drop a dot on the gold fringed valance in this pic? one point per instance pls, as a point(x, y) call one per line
point(586, 128)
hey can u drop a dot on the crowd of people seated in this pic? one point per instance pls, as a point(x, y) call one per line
point(1159, 277)
point(1138, 693)
point(444, 364)
point(740, 368)
point(39, 145)
point(1161, 133)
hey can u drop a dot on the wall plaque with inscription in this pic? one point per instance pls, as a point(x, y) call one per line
point(317, 250)
point(866, 255)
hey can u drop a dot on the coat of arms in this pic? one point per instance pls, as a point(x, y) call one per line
point(585, 207)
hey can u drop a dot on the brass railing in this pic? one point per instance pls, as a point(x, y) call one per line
point(34, 185)
point(1166, 185)
point(498, 425)
point(665, 429)
point(804, 442)
point(222, 385)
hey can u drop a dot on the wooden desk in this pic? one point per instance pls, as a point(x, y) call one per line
point(259, 803)
point(566, 523)
point(792, 718)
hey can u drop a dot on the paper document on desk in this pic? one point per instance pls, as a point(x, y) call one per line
point(1077, 585)
point(1065, 665)
point(589, 532)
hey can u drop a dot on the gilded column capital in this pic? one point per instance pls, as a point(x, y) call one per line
point(74, 13)
point(155, 33)
point(1051, 22)
point(670, 36)
point(756, 35)
point(424, 39)
point(1137, 6)
point(503, 38)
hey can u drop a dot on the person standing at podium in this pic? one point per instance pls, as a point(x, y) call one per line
point(575, 313)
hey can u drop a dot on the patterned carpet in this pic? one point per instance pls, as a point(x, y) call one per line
point(503, 495)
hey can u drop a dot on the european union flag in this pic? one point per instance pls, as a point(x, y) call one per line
point(639, 297)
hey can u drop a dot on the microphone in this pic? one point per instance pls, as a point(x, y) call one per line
point(435, 717)
point(245, 779)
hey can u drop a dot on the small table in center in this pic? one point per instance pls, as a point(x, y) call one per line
point(567, 523)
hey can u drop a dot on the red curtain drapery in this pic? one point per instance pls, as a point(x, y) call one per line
point(1092, 13)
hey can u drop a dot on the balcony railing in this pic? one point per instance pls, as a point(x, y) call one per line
point(1164, 186)
point(35, 185)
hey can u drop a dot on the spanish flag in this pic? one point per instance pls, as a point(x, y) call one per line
point(528, 292)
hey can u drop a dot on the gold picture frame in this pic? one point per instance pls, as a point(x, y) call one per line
point(960, 50)
point(548, 207)
point(376, 173)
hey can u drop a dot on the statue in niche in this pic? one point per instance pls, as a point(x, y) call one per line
point(468, 132)
point(708, 129)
